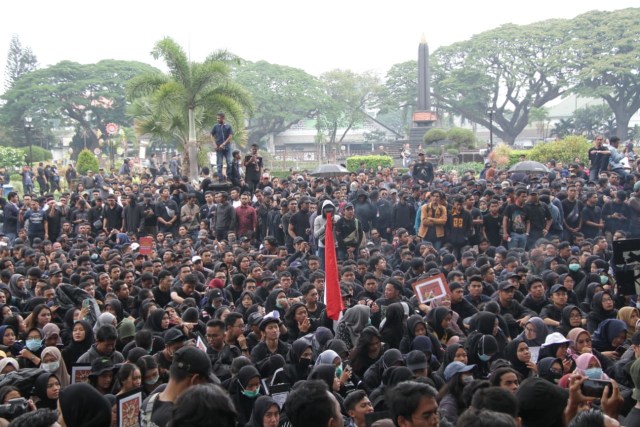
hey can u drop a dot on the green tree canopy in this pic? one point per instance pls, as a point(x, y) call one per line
point(282, 96)
point(182, 105)
point(88, 96)
point(604, 51)
point(509, 70)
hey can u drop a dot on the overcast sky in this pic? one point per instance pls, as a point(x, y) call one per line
point(313, 36)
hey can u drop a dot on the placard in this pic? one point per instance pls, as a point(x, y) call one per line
point(431, 288)
point(80, 373)
point(128, 405)
point(146, 245)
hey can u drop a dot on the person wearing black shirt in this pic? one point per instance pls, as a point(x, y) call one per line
point(112, 215)
point(599, 157)
point(253, 168)
point(492, 224)
point(423, 171)
point(592, 223)
point(349, 234)
point(299, 225)
point(162, 292)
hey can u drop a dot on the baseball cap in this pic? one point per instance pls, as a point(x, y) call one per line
point(298, 240)
point(215, 294)
point(503, 286)
point(174, 335)
point(195, 258)
point(557, 287)
point(456, 368)
point(202, 233)
point(273, 317)
point(254, 319)
point(101, 365)
point(555, 338)
point(349, 206)
point(194, 361)
point(417, 360)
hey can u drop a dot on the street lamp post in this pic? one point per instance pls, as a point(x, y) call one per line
point(490, 130)
point(28, 125)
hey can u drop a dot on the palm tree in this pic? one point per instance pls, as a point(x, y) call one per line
point(180, 106)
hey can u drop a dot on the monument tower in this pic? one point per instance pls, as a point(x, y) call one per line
point(423, 118)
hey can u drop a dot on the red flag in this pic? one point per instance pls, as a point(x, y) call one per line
point(332, 296)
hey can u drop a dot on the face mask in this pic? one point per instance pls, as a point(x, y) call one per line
point(593, 373)
point(484, 357)
point(574, 267)
point(467, 379)
point(339, 371)
point(251, 394)
point(304, 363)
point(34, 344)
point(153, 380)
point(604, 279)
point(50, 367)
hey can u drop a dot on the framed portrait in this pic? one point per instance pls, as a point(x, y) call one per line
point(80, 373)
point(431, 288)
point(128, 406)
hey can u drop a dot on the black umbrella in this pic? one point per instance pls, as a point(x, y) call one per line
point(529, 166)
point(329, 170)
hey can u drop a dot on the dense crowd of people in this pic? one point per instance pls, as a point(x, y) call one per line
point(208, 297)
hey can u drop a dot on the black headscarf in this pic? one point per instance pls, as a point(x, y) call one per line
point(296, 370)
point(40, 390)
point(544, 369)
point(393, 329)
point(72, 352)
point(511, 354)
point(262, 405)
point(154, 321)
point(76, 399)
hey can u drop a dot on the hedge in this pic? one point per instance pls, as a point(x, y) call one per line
point(86, 161)
point(353, 163)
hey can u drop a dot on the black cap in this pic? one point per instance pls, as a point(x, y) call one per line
point(298, 240)
point(101, 365)
point(254, 319)
point(269, 318)
point(194, 361)
point(503, 286)
point(557, 287)
point(215, 294)
point(349, 206)
point(174, 335)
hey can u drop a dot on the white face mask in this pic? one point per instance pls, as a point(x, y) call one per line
point(50, 367)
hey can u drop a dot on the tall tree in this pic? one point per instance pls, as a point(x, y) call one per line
point(605, 52)
point(347, 97)
point(19, 62)
point(400, 91)
point(181, 105)
point(86, 96)
point(282, 97)
point(509, 70)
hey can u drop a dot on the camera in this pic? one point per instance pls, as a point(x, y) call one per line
point(14, 408)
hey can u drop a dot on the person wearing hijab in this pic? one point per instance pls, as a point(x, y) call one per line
point(393, 326)
point(581, 343)
point(517, 352)
point(535, 331)
point(114, 307)
point(8, 364)
point(354, 320)
point(53, 363)
point(630, 316)
point(550, 368)
point(157, 322)
point(105, 318)
point(373, 375)
point(451, 403)
point(19, 291)
point(244, 392)
point(74, 401)
point(299, 360)
point(592, 287)
point(438, 320)
point(602, 308)
point(416, 326)
point(390, 378)
point(327, 374)
point(266, 413)
point(298, 322)
point(589, 366)
point(487, 323)
point(571, 318)
point(481, 350)
point(47, 390)
point(610, 335)
point(81, 341)
point(454, 353)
